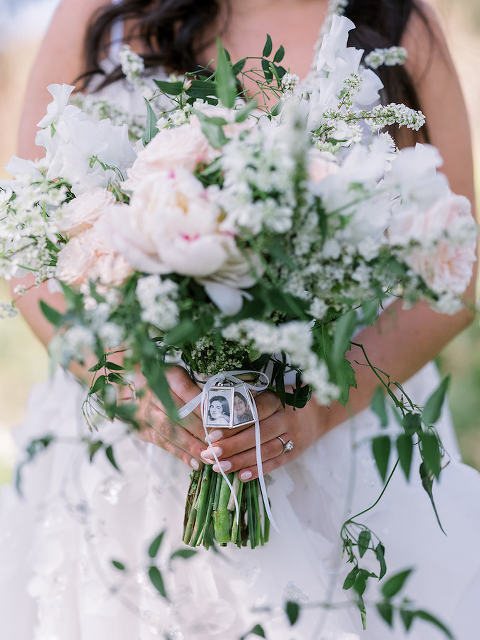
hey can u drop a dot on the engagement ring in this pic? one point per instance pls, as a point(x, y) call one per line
point(287, 446)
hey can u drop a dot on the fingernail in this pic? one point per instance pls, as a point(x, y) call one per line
point(208, 453)
point(194, 464)
point(225, 465)
point(246, 475)
point(216, 435)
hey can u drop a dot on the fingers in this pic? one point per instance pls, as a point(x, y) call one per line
point(246, 459)
point(186, 455)
point(251, 473)
point(175, 433)
point(182, 386)
point(245, 440)
point(267, 404)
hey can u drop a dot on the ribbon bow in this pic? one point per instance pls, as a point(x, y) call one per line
point(202, 399)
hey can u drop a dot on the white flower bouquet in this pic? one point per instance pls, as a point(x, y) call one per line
point(239, 234)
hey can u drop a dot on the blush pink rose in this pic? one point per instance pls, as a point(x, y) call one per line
point(82, 212)
point(88, 257)
point(446, 268)
point(180, 147)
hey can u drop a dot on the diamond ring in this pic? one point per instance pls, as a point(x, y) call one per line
point(287, 446)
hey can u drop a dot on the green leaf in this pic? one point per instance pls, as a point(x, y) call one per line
point(292, 609)
point(201, 89)
point(267, 49)
point(242, 114)
point(267, 72)
point(350, 579)
point(151, 126)
point(428, 617)
point(51, 314)
point(381, 447)
point(427, 483)
point(279, 54)
point(157, 580)
point(431, 453)
point(126, 411)
point(407, 616)
point(111, 457)
point(412, 423)
point(433, 406)
point(344, 328)
point(405, 452)
point(113, 366)
point(93, 448)
point(170, 88)
point(118, 565)
point(360, 583)
point(212, 131)
point(380, 553)
point(378, 406)
point(225, 78)
point(183, 553)
point(258, 631)
point(394, 584)
point(385, 609)
point(157, 381)
point(99, 384)
point(238, 66)
point(363, 542)
point(155, 545)
point(300, 397)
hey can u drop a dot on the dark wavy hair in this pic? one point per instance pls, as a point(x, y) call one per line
point(174, 32)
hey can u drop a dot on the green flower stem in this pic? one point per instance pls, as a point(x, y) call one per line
point(266, 526)
point(208, 516)
point(256, 508)
point(235, 485)
point(221, 518)
point(236, 527)
point(218, 486)
point(191, 511)
point(201, 504)
point(250, 516)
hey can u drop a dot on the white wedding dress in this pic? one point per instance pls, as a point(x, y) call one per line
point(57, 581)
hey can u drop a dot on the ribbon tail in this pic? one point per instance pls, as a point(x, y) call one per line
point(261, 477)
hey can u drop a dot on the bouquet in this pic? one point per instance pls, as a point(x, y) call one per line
point(246, 237)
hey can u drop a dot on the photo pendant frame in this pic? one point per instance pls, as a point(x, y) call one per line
point(229, 406)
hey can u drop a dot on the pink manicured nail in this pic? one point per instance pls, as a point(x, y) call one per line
point(194, 464)
point(216, 435)
point(225, 465)
point(246, 475)
point(208, 453)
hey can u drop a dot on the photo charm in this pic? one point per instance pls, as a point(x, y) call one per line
point(229, 406)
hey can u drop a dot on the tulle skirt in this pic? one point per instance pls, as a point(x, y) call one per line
point(58, 541)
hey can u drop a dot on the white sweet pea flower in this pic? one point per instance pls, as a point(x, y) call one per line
point(21, 169)
point(334, 44)
point(61, 95)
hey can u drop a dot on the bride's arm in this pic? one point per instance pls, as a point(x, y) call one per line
point(401, 341)
point(60, 60)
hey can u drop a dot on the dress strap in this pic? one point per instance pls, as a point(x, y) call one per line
point(116, 38)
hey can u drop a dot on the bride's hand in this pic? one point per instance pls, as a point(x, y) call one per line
point(185, 442)
point(236, 452)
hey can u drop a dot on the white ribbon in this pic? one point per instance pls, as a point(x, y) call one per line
point(202, 399)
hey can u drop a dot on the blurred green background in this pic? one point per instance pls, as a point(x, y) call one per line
point(22, 359)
